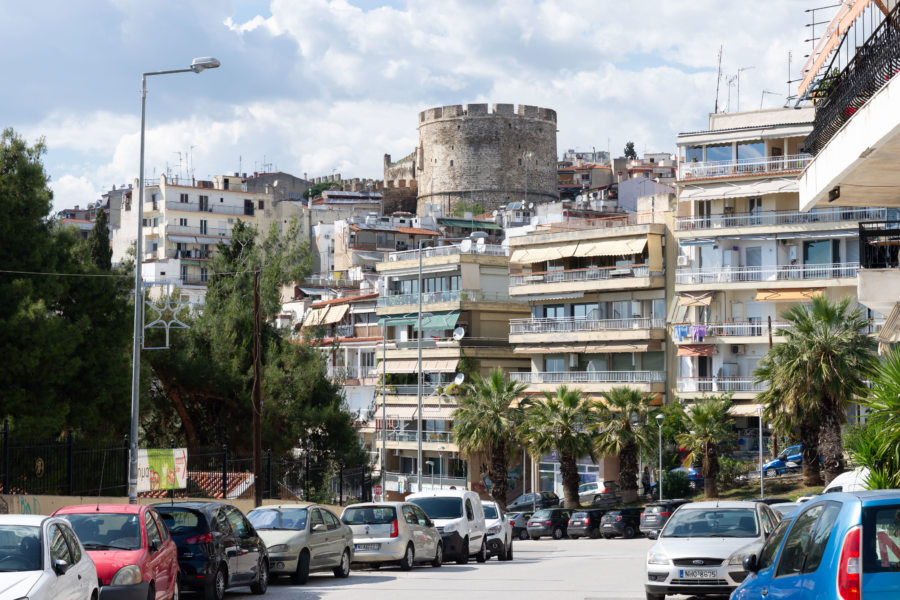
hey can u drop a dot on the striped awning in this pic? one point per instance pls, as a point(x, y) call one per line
point(697, 299)
point(744, 410)
point(696, 350)
point(788, 295)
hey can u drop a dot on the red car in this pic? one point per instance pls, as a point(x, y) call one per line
point(130, 545)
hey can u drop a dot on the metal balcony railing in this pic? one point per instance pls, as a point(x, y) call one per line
point(408, 390)
point(740, 328)
point(412, 436)
point(623, 220)
point(451, 250)
point(588, 274)
point(879, 245)
point(195, 254)
point(820, 215)
point(446, 296)
point(190, 230)
point(573, 324)
point(589, 376)
point(719, 384)
point(763, 274)
point(743, 166)
point(215, 208)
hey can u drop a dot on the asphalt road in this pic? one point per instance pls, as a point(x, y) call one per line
point(546, 569)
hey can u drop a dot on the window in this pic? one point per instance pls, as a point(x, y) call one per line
point(330, 520)
point(554, 363)
point(470, 512)
point(693, 154)
point(203, 225)
point(585, 311)
point(420, 514)
point(74, 546)
point(153, 536)
point(767, 554)
point(751, 150)
point(316, 519)
point(718, 152)
point(622, 361)
point(59, 547)
point(183, 198)
point(653, 361)
point(881, 525)
point(204, 274)
point(163, 530)
point(821, 252)
point(220, 522)
point(237, 522)
point(184, 273)
point(182, 223)
point(262, 204)
point(410, 515)
point(554, 311)
point(792, 557)
point(820, 538)
point(204, 203)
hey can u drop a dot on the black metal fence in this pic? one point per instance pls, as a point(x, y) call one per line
point(879, 244)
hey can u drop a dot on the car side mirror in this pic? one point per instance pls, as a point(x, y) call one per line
point(60, 566)
point(154, 546)
point(319, 528)
point(749, 563)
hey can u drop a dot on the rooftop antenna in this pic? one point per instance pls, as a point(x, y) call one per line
point(729, 82)
point(718, 79)
point(763, 96)
point(739, 86)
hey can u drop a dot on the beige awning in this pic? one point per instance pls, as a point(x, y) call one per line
point(527, 256)
point(440, 366)
point(696, 350)
point(890, 331)
point(761, 187)
point(335, 314)
point(701, 299)
point(401, 366)
point(315, 316)
point(788, 295)
point(744, 410)
point(612, 247)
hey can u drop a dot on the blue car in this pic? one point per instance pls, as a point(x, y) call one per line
point(838, 546)
point(778, 465)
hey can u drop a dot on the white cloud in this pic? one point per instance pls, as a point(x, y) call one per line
point(76, 191)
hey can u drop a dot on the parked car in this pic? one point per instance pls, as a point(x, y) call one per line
point(849, 481)
point(779, 464)
point(785, 508)
point(621, 521)
point(132, 550)
point(459, 518)
point(41, 558)
point(519, 523)
point(531, 502)
point(499, 532)
point(655, 515)
point(303, 538)
point(218, 548)
point(585, 523)
point(551, 522)
point(701, 548)
point(770, 500)
point(393, 533)
point(836, 546)
point(599, 493)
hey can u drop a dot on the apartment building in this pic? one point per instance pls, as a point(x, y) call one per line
point(361, 242)
point(466, 308)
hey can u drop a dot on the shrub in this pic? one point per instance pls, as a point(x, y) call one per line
point(730, 470)
point(676, 484)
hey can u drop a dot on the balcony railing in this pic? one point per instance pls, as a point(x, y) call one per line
point(438, 297)
point(408, 390)
point(738, 328)
point(821, 215)
point(589, 377)
point(212, 207)
point(719, 384)
point(762, 274)
point(599, 223)
point(743, 166)
point(573, 324)
point(589, 274)
point(429, 480)
point(185, 229)
point(451, 250)
point(195, 254)
point(412, 436)
point(878, 245)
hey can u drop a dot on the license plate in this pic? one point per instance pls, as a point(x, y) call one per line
point(698, 574)
point(364, 547)
point(576, 522)
point(650, 519)
point(608, 525)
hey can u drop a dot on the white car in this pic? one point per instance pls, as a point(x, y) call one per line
point(42, 559)
point(499, 531)
point(701, 549)
point(459, 517)
point(393, 532)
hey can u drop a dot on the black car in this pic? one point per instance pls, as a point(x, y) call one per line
point(551, 522)
point(656, 514)
point(620, 521)
point(585, 523)
point(519, 523)
point(525, 502)
point(218, 548)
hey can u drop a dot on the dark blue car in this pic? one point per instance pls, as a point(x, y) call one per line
point(778, 465)
point(840, 546)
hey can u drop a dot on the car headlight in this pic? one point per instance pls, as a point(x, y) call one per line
point(278, 548)
point(493, 529)
point(449, 527)
point(129, 575)
point(737, 558)
point(658, 558)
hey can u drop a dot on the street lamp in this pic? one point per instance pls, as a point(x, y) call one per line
point(386, 323)
point(659, 422)
point(430, 464)
point(197, 65)
point(762, 489)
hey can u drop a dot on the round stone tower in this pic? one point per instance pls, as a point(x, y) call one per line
point(470, 156)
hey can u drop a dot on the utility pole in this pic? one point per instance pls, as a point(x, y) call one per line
point(257, 395)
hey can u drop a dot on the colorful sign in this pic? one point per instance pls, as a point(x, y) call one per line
point(162, 469)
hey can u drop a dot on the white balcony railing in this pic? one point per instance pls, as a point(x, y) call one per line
point(187, 229)
point(589, 274)
point(821, 215)
point(572, 324)
point(719, 384)
point(412, 436)
point(450, 250)
point(589, 376)
point(212, 207)
point(738, 328)
point(393, 299)
point(770, 273)
point(743, 166)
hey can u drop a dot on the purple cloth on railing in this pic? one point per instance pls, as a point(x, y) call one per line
point(698, 332)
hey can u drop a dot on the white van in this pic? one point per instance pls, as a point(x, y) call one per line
point(459, 518)
point(849, 481)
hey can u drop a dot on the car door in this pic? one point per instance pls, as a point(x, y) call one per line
point(168, 555)
point(246, 540)
point(415, 531)
point(156, 561)
point(85, 574)
point(753, 589)
point(336, 543)
point(430, 537)
point(231, 549)
point(476, 536)
point(318, 539)
point(69, 585)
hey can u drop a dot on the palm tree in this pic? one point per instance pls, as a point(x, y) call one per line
point(564, 422)
point(486, 422)
point(623, 434)
point(708, 424)
point(817, 372)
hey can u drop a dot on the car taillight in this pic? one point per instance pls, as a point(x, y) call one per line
point(513, 523)
point(849, 566)
point(200, 539)
point(619, 518)
point(570, 521)
point(548, 522)
point(394, 531)
point(642, 515)
point(665, 514)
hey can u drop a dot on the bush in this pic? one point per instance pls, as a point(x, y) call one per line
point(730, 470)
point(676, 484)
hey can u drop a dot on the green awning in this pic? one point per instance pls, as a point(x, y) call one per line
point(445, 320)
point(467, 224)
point(395, 321)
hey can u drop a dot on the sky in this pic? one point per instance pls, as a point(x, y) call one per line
point(325, 86)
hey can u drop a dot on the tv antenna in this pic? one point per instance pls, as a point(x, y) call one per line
point(718, 79)
point(763, 97)
point(729, 82)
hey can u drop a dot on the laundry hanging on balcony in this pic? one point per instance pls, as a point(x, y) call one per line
point(698, 332)
point(679, 332)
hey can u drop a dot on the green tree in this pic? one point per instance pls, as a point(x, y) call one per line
point(565, 422)
point(98, 242)
point(709, 425)
point(624, 432)
point(487, 423)
point(814, 376)
point(630, 152)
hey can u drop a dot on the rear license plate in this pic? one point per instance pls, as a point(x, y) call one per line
point(698, 574)
point(650, 519)
point(365, 547)
point(576, 522)
point(609, 525)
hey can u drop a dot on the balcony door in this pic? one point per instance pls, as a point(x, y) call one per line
point(753, 260)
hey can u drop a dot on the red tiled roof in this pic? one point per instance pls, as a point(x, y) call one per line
point(416, 231)
point(343, 300)
point(326, 341)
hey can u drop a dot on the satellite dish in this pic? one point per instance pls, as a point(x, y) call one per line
point(459, 333)
point(465, 245)
point(530, 205)
point(496, 212)
point(459, 379)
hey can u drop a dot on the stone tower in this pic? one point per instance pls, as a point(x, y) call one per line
point(471, 155)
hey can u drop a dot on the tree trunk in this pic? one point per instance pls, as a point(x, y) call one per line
point(809, 438)
point(628, 468)
point(498, 474)
point(710, 471)
point(569, 471)
point(830, 445)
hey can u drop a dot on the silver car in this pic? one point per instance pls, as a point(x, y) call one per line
point(393, 532)
point(701, 548)
point(302, 538)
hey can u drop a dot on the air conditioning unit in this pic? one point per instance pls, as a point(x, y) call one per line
point(684, 261)
point(738, 349)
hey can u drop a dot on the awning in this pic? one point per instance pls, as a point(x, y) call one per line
point(184, 239)
point(335, 314)
point(465, 223)
point(445, 320)
point(698, 242)
point(744, 410)
point(745, 189)
point(315, 316)
point(696, 350)
point(890, 331)
point(379, 257)
point(788, 295)
point(397, 321)
point(700, 299)
point(612, 247)
point(562, 296)
point(527, 256)
point(400, 366)
point(440, 366)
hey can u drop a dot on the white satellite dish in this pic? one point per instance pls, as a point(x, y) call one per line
point(465, 245)
point(459, 379)
point(459, 333)
point(496, 212)
point(530, 205)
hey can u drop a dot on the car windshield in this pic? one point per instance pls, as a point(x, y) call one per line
point(586, 487)
point(542, 514)
point(369, 515)
point(712, 522)
point(107, 531)
point(182, 521)
point(490, 512)
point(278, 518)
point(440, 508)
point(20, 549)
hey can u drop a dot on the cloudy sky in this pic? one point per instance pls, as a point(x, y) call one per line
point(317, 86)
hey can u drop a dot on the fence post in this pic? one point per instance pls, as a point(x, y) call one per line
point(341, 486)
point(269, 473)
point(5, 456)
point(127, 463)
point(69, 460)
point(224, 471)
point(306, 482)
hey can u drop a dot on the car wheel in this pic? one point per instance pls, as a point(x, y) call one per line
point(557, 533)
point(343, 570)
point(151, 593)
point(523, 535)
point(628, 533)
point(594, 533)
point(262, 578)
point(482, 555)
point(463, 557)
point(438, 556)
point(501, 556)
point(406, 563)
point(509, 552)
point(216, 588)
point(771, 472)
point(535, 537)
point(301, 575)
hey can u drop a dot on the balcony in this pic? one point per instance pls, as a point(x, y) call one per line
point(194, 254)
point(737, 329)
point(445, 437)
point(598, 223)
point(409, 390)
point(575, 324)
point(395, 299)
point(777, 165)
point(567, 377)
point(187, 230)
point(453, 250)
point(716, 385)
point(767, 274)
point(774, 218)
point(878, 284)
point(589, 274)
point(221, 209)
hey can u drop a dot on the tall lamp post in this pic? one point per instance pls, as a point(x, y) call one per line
point(762, 488)
point(386, 323)
point(659, 422)
point(197, 65)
